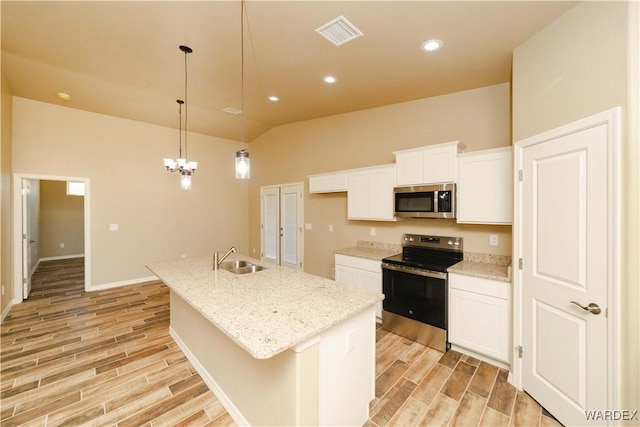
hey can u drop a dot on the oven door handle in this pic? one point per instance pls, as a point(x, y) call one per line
point(410, 270)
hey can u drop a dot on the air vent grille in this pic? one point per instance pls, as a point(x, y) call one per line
point(339, 31)
point(232, 110)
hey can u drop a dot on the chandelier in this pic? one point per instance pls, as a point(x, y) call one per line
point(182, 164)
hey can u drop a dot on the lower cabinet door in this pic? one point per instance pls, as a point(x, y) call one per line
point(347, 275)
point(479, 323)
point(372, 282)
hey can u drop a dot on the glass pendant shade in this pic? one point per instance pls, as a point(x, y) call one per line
point(243, 165)
point(185, 181)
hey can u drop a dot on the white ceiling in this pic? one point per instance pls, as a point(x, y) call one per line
point(122, 58)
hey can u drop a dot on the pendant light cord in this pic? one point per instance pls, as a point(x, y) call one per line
point(242, 69)
point(180, 129)
point(186, 108)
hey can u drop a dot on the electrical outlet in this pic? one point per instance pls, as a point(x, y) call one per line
point(373, 231)
point(183, 256)
point(330, 228)
point(308, 226)
point(113, 227)
point(493, 239)
point(61, 245)
point(2, 290)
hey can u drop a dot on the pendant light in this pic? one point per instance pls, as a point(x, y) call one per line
point(182, 164)
point(243, 166)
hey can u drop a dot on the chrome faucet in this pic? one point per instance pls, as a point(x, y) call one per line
point(216, 261)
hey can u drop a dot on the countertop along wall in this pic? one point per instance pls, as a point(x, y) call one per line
point(479, 118)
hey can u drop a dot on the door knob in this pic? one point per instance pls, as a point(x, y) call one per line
point(592, 308)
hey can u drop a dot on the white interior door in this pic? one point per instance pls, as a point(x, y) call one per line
point(282, 217)
point(567, 250)
point(270, 202)
point(29, 248)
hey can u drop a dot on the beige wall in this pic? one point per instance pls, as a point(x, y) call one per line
point(574, 68)
point(129, 186)
point(61, 220)
point(479, 118)
point(6, 269)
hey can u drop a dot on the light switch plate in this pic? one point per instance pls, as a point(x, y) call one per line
point(113, 227)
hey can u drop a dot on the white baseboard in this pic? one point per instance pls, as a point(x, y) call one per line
point(494, 362)
point(52, 258)
point(122, 283)
point(210, 382)
point(6, 311)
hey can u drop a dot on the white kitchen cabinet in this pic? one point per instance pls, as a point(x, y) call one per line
point(370, 193)
point(485, 187)
point(361, 272)
point(479, 315)
point(331, 182)
point(431, 164)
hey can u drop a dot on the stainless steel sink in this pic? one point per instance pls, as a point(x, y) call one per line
point(231, 265)
point(240, 266)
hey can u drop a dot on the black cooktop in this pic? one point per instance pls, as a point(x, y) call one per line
point(428, 252)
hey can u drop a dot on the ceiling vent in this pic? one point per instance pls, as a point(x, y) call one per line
point(339, 31)
point(232, 111)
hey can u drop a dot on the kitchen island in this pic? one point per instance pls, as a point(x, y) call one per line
point(278, 346)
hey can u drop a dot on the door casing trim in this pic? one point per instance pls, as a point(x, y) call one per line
point(17, 228)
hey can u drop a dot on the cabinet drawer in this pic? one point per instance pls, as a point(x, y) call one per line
point(479, 285)
point(357, 262)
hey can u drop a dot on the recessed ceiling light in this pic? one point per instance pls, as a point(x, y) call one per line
point(274, 98)
point(431, 45)
point(64, 96)
point(329, 79)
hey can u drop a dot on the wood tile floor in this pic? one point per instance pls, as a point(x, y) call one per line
point(105, 358)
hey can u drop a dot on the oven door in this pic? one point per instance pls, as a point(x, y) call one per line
point(416, 294)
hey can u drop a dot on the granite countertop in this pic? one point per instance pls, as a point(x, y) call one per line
point(266, 312)
point(371, 250)
point(486, 266)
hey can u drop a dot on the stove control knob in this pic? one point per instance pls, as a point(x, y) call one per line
point(410, 311)
point(450, 242)
point(411, 239)
point(456, 243)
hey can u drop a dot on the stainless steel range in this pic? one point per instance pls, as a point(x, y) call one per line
point(415, 287)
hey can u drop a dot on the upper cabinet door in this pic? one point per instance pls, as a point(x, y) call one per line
point(370, 193)
point(409, 167)
point(432, 164)
point(485, 186)
point(332, 182)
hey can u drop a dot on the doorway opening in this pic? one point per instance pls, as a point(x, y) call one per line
point(281, 218)
point(29, 248)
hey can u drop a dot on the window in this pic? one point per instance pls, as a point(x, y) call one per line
point(75, 188)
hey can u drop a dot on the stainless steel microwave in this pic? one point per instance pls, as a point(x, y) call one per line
point(426, 201)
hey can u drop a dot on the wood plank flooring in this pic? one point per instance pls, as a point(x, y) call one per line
point(105, 358)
